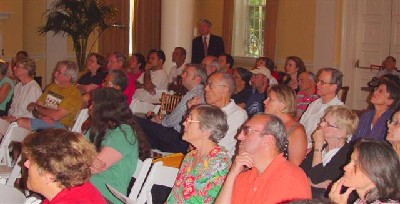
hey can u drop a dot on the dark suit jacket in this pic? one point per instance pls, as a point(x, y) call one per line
point(215, 48)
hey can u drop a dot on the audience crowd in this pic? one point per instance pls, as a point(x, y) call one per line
point(254, 135)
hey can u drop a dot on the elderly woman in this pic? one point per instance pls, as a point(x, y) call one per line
point(385, 100)
point(25, 92)
point(6, 88)
point(243, 89)
point(58, 163)
point(281, 101)
point(204, 169)
point(294, 66)
point(373, 172)
point(324, 164)
point(118, 141)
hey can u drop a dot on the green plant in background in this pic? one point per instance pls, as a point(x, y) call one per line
point(78, 19)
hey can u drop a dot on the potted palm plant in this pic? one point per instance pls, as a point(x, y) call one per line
point(78, 19)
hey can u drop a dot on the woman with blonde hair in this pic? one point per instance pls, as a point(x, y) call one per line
point(281, 101)
point(324, 163)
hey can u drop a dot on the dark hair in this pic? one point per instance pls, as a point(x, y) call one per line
point(183, 50)
point(392, 58)
point(299, 64)
point(119, 78)
point(336, 77)
point(269, 63)
point(110, 111)
point(24, 54)
point(101, 60)
point(380, 163)
point(244, 74)
point(392, 87)
point(3, 68)
point(229, 60)
point(64, 154)
point(141, 60)
point(160, 54)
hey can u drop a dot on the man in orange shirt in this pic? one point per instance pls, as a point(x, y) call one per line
point(260, 173)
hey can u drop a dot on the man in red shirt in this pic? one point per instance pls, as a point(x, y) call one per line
point(260, 173)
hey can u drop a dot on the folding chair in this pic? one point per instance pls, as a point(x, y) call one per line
point(82, 117)
point(159, 175)
point(14, 134)
point(140, 175)
point(168, 103)
point(10, 194)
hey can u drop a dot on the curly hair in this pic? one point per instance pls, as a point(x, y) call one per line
point(110, 111)
point(66, 155)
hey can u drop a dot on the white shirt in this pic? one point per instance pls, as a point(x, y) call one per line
point(160, 79)
point(312, 116)
point(23, 96)
point(174, 72)
point(236, 116)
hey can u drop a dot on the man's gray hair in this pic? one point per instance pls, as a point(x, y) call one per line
point(206, 21)
point(215, 63)
point(199, 71)
point(71, 69)
point(276, 127)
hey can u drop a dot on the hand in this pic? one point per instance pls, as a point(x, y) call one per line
point(335, 195)
point(98, 166)
point(148, 67)
point(31, 106)
point(156, 118)
point(318, 138)
point(150, 87)
point(242, 161)
point(192, 102)
point(48, 120)
point(323, 184)
point(9, 118)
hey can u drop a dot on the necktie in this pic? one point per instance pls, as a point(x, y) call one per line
point(205, 45)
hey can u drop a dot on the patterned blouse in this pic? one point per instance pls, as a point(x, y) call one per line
point(200, 183)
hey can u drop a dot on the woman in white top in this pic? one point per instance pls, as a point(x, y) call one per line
point(25, 92)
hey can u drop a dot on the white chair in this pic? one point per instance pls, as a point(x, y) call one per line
point(3, 130)
point(140, 175)
point(82, 117)
point(137, 106)
point(9, 194)
point(159, 175)
point(14, 134)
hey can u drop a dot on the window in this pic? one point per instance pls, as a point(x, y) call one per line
point(249, 31)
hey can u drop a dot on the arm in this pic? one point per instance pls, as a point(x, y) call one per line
point(57, 115)
point(148, 84)
point(107, 157)
point(297, 145)
point(86, 88)
point(335, 194)
point(318, 144)
point(242, 161)
point(4, 91)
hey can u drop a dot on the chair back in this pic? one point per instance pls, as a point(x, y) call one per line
point(13, 133)
point(10, 194)
point(159, 175)
point(3, 127)
point(168, 103)
point(82, 117)
point(343, 94)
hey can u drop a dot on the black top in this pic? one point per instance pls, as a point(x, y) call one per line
point(215, 48)
point(97, 79)
point(243, 95)
point(333, 170)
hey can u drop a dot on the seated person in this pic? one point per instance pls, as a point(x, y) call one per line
point(243, 88)
point(117, 61)
point(260, 83)
point(324, 164)
point(307, 92)
point(95, 75)
point(388, 67)
point(294, 66)
point(178, 57)
point(211, 64)
point(385, 100)
point(136, 65)
point(204, 169)
point(265, 62)
point(119, 142)
point(6, 88)
point(226, 62)
point(373, 172)
point(25, 92)
point(165, 134)
point(63, 180)
point(393, 133)
point(153, 79)
point(60, 102)
point(260, 173)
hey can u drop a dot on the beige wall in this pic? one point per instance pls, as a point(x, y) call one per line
point(295, 31)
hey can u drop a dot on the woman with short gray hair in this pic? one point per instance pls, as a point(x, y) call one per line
point(204, 169)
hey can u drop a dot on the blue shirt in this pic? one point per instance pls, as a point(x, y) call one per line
point(378, 131)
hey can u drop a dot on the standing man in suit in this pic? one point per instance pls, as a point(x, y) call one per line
point(206, 43)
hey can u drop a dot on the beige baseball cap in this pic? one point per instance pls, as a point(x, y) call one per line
point(264, 71)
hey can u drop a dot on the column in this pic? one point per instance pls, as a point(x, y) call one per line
point(176, 28)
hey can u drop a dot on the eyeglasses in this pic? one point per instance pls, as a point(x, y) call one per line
point(393, 122)
point(323, 82)
point(190, 120)
point(323, 120)
point(247, 130)
point(210, 84)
